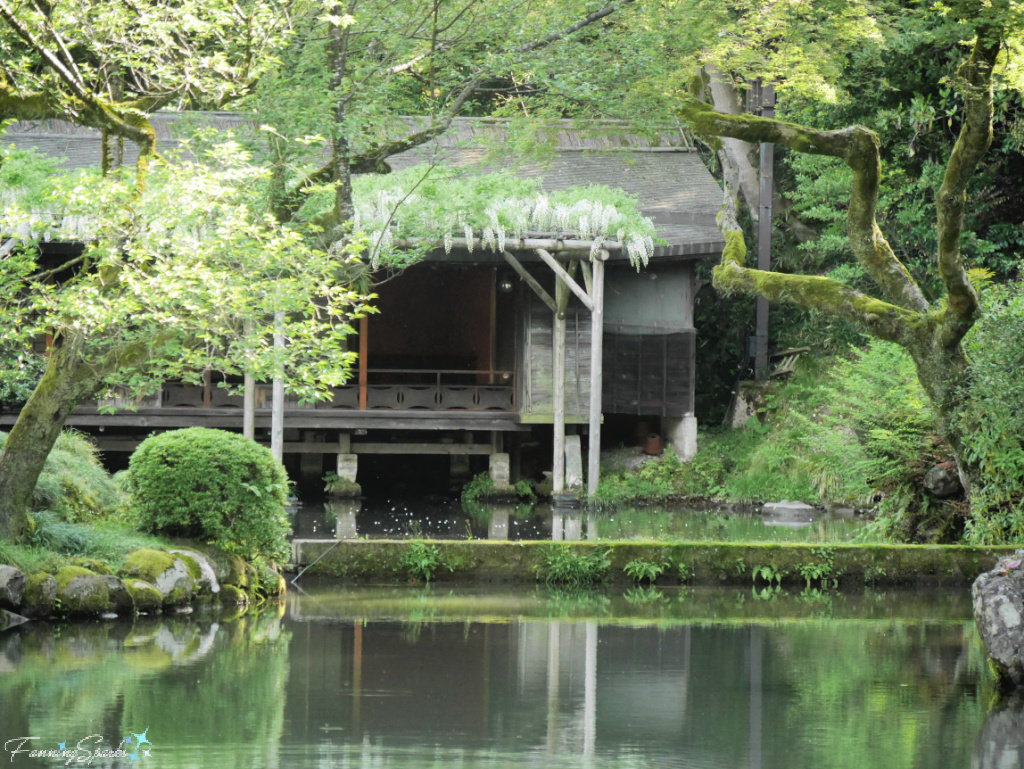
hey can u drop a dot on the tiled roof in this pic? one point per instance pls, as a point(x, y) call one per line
point(670, 180)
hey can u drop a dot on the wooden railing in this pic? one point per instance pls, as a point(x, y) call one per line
point(400, 389)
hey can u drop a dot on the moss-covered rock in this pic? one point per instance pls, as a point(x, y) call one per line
point(202, 571)
point(96, 567)
point(229, 569)
point(230, 595)
point(40, 595)
point(147, 564)
point(166, 572)
point(121, 599)
point(80, 593)
point(145, 597)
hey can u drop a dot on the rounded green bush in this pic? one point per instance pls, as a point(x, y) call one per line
point(214, 486)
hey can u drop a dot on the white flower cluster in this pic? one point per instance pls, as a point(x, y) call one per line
point(503, 220)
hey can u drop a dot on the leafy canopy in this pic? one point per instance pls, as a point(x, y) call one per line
point(178, 270)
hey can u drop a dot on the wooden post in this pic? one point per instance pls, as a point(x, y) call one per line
point(596, 379)
point(248, 396)
point(277, 404)
point(207, 392)
point(558, 383)
point(364, 346)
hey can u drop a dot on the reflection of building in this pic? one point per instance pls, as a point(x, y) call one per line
point(526, 690)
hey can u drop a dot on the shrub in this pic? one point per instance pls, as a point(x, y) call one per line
point(421, 560)
point(73, 483)
point(211, 485)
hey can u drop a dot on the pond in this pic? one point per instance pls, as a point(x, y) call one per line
point(445, 518)
point(488, 677)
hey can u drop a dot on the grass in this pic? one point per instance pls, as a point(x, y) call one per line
point(55, 542)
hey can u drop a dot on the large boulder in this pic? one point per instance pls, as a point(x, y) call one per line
point(145, 597)
point(40, 595)
point(942, 481)
point(80, 593)
point(12, 587)
point(203, 572)
point(121, 599)
point(999, 614)
point(166, 572)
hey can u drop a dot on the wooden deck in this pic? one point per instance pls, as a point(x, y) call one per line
point(301, 418)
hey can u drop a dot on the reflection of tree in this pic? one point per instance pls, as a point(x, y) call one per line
point(192, 683)
point(231, 703)
point(882, 697)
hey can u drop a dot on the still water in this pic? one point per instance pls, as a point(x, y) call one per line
point(445, 518)
point(403, 677)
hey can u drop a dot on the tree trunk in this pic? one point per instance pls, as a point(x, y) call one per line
point(66, 382)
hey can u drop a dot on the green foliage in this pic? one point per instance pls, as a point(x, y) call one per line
point(73, 483)
point(991, 420)
point(477, 488)
point(666, 477)
point(859, 428)
point(768, 573)
point(642, 570)
point(19, 375)
point(574, 567)
point(214, 486)
point(421, 561)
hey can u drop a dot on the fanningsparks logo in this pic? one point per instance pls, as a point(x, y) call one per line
point(85, 751)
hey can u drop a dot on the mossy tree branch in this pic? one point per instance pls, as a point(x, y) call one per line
point(856, 145)
point(971, 145)
point(881, 319)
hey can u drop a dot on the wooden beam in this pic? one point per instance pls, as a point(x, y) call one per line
point(558, 387)
point(560, 271)
point(320, 419)
point(563, 302)
point(322, 447)
point(423, 448)
point(554, 245)
point(596, 379)
point(587, 280)
point(530, 280)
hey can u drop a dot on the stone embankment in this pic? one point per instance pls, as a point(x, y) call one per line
point(999, 612)
point(150, 581)
point(712, 563)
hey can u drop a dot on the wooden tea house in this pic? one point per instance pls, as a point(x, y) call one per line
point(514, 355)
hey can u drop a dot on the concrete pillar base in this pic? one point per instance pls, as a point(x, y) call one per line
point(573, 463)
point(681, 434)
point(345, 487)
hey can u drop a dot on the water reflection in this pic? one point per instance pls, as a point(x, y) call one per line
point(405, 678)
point(442, 518)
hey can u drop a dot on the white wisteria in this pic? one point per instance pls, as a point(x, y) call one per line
point(496, 210)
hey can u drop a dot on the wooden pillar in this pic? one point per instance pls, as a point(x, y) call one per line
point(207, 392)
point(596, 379)
point(248, 396)
point(364, 346)
point(277, 403)
point(558, 383)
